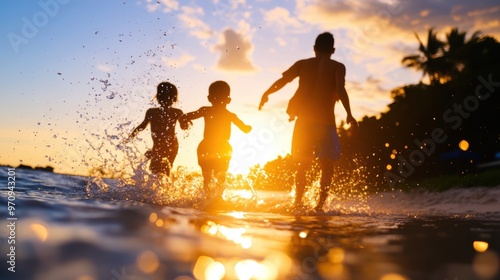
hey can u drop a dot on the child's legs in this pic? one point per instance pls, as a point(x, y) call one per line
point(170, 156)
point(207, 178)
point(220, 172)
point(156, 164)
point(205, 164)
point(162, 157)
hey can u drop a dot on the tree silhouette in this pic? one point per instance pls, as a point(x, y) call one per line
point(457, 51)
point(429, 59)
point(462, 102)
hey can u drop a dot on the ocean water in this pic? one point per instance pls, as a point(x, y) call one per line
point(72, 227)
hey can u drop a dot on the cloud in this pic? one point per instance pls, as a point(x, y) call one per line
point(367, 23)
point(378, 34)
point(281, 41)
point(281, 17)
point(396, 20)
point(235, 50)
point(104, 68)
point(200, 68)
point(168, 5)
point(368, 97)
point(190, 18)
point(228, 4)
point(180, 61)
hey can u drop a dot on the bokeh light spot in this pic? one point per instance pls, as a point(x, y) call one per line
point(480, 246)
point(208, 268)
point(486, 264)
point(463, 145)
point(336, 255)
point(393, 276)
point(153, 217)
point(40, 231)
point(148, 262)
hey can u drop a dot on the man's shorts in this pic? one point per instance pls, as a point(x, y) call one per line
point(311, 140)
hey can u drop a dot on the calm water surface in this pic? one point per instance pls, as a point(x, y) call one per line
point(71, 227)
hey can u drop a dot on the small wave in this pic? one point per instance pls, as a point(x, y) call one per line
point(150, 189)
point(476, 200)
point(185, 190)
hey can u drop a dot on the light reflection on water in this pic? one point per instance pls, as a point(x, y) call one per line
point(129, 231)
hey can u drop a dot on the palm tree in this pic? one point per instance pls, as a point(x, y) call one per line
point(457, 51)
point(430, 58)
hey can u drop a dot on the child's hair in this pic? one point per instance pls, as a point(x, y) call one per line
point(324, 42)
point(218, 91)
point(166, 93)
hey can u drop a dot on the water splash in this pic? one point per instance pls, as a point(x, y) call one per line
point(106, 84)
point(126, 162)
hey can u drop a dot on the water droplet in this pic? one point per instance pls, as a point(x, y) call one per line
point(111, 96)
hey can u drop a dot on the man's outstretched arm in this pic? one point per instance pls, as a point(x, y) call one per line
point(280, 83)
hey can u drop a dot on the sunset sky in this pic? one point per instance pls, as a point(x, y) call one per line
point(78, 76)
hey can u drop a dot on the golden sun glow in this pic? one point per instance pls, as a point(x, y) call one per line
point(236, 235)
point(270, 137)
point(243, 269)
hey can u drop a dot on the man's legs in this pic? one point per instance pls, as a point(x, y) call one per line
point(302, 154)
point(300, 181)
point(326, 181)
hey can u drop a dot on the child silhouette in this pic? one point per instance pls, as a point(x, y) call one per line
point(163, 121)
point(214, 151)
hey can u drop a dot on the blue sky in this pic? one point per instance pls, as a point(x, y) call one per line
point(79, 75)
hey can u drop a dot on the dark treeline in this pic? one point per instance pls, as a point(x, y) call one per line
point(449, 123)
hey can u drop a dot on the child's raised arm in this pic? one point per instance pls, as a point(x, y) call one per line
point(240, 124)
point(141, 126)
point(185, 120)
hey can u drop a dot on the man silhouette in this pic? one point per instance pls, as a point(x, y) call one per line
point(321, 84)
